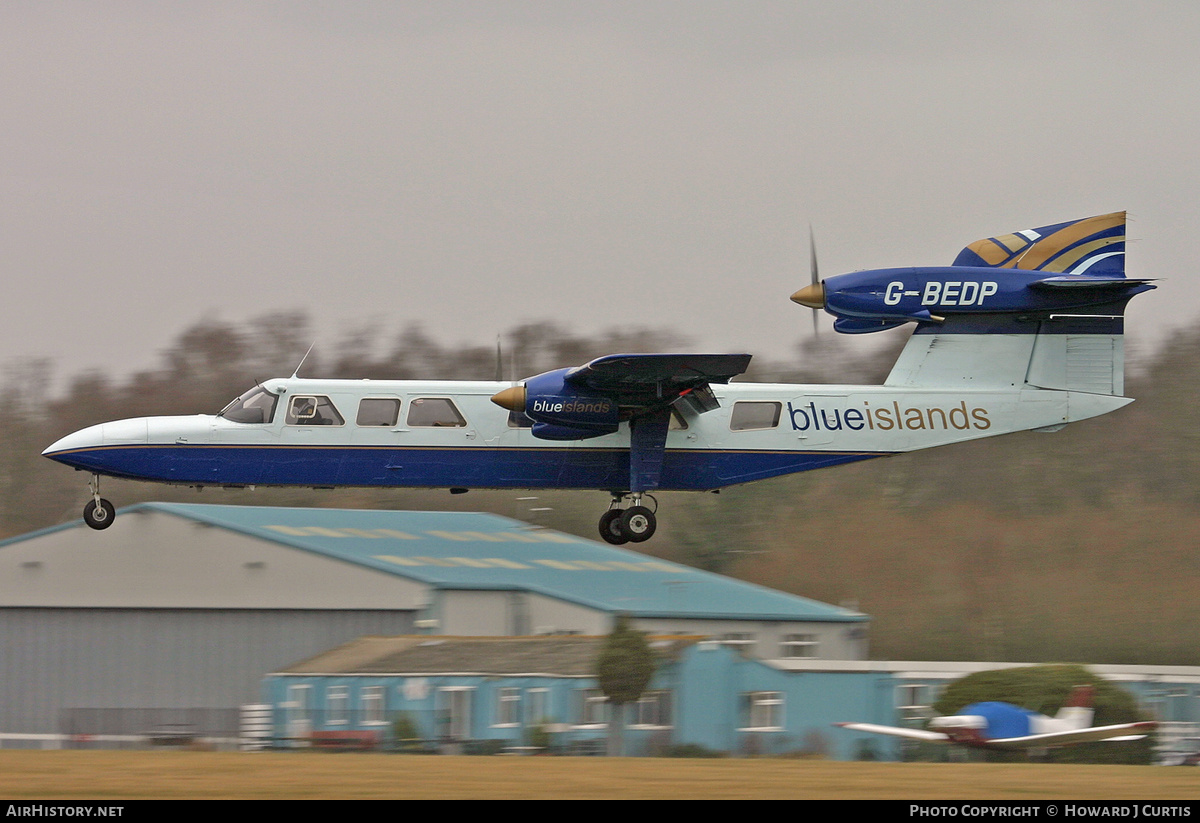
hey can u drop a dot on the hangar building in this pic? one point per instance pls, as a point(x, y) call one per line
point(185, 606)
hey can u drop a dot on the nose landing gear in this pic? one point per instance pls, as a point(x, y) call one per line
point(98, 513)
point(635, 524)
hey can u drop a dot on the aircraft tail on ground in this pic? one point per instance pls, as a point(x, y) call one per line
point(1077, 712)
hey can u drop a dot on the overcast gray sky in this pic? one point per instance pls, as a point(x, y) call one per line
point(473, 165)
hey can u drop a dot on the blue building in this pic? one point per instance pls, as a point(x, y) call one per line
point(461, 691)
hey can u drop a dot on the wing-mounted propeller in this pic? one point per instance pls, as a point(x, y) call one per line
point(1071, 271)
point(593, 399)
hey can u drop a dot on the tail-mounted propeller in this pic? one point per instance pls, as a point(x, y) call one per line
point(812, 295)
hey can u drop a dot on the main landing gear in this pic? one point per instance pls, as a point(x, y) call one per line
point(98, 513)
point(635, 524)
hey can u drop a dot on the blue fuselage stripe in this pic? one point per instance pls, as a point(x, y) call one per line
point(431, 467)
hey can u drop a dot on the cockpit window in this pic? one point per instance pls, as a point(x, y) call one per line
point(255, 406)
point(313, 410)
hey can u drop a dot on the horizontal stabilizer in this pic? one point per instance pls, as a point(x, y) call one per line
point(1084, 281)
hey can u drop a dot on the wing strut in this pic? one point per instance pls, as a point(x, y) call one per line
point(647, 445)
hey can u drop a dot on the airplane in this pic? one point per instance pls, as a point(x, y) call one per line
point(996, 725)
point(1023, 332)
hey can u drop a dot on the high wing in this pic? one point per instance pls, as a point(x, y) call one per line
point(1123, 731)
point(593, 400)
point(646, 380)
point(897, 731)
point(589, 400)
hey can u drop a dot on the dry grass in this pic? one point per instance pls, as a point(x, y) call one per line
point(103, 776)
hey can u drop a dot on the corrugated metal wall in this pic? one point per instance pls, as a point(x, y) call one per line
point(56, 659)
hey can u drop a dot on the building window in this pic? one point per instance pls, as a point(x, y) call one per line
point(298, 711)
point(337, 705)
point(754, 414)
point(653, 710)
point(537, 706)
point(799, 645)
point(378, 411)
point(591, 707)
point(741, 641)
point(762, 711)
point(913, 701)
point(454, 713)
point(508, 704)
point(298, 703)
point(373, 708)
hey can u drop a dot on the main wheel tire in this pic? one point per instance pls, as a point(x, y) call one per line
point(610, 527)
point(639, 523)
point(99, 516)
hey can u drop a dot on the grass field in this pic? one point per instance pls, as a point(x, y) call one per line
point(110, 775)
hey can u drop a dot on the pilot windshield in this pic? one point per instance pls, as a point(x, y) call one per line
point(255, 406)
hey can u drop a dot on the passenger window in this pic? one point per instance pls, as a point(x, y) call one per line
point(378, 411)
point(677, 423)
point(434, 411)
point(754, 415)
point(313, 410)
point(519, 420)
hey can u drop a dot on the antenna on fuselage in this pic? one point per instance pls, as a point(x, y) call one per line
point(296, 373)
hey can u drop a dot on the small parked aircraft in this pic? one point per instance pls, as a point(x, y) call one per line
point(1023, 331)
point(995, 725)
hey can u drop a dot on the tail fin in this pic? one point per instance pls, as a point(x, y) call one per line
point(1078, 709)
point(1095, 245)
point(1057, 321)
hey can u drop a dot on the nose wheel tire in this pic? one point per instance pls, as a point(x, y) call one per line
point(99, 514)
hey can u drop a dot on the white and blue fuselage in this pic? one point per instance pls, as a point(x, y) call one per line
point(383, 434)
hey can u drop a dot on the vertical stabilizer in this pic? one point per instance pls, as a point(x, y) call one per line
point(1077, 712)
point(1039, 309)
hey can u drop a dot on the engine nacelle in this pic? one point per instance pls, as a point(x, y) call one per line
point(563, 412)
point(880, 299)
point(549, 431)
point(1073, 272)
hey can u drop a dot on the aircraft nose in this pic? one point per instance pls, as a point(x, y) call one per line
point(83, 439)
point(118, 433)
